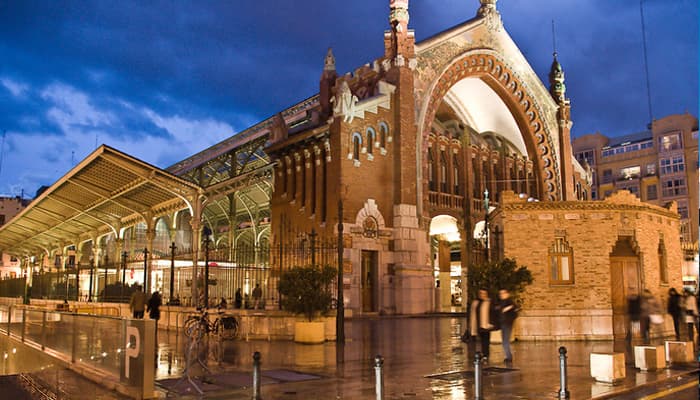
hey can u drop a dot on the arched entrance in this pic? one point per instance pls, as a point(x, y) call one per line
point(445, 256)
point(477, 94)
point(625, 282)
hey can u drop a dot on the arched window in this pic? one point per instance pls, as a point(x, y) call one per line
point(371, 135)
point(383, 134)
point(663, 268)
point(443, 172)
point(561, 261)
point(455, 174)
point(356, 145)
point(431, 170)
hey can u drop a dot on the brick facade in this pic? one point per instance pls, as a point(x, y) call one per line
point(592, 229)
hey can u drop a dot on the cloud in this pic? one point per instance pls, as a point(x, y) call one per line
point(16, 88)
point(72, 110)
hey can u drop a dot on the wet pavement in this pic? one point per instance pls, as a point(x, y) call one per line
point(424, 358)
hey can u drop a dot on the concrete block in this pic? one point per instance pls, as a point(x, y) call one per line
point(608, 367)
point(679, 352)
point(649, 358)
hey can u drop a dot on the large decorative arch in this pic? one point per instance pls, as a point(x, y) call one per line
point(488, 66)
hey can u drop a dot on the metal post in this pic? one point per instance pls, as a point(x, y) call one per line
point(9, 319)
point(379, 377)
point(24, 322)
point(92, 263)
point(43, 330)
point(256, 376)
point(74, 343)
point(104, 290)
point(121, 295)
point(206, 273)
point(563, 389)
point(312, 239)
point(486, 224)
point(172, 271)
point(146, 289)
point(340, 306)
point(206, 232)
point(478, 387)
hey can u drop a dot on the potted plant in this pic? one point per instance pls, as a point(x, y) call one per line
point(307, 291)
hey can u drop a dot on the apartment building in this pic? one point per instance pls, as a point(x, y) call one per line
point(658, 166)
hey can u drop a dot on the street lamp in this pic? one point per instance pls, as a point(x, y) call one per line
point(92, 263)
point(145, 269)
point(206, 232)
point(172, 271)
point(486, 223)
point(340, 306)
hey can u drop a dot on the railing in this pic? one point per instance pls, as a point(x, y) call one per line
point(446, 200)
point(95, 344)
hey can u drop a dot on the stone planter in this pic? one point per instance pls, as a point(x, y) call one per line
point(309, 332)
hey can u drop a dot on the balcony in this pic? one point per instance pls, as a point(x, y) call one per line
point(445, 200)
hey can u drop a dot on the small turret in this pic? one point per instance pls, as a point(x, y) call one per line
point(326, 83)
point(399, 41)
point(556, 81)
point(487, 7)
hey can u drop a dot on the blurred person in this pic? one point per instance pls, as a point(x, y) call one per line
point(691, 313)
point(675, 309)
point(507, 313)
point(480, 322)
point(137, 303)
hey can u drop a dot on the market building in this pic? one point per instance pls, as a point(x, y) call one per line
point(410, 155)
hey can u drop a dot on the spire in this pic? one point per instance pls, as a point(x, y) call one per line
point(556, 81)
point(398, 16)
point(329, 63)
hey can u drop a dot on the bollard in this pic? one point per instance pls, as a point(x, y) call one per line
point(379, 377)
point(478, 388)
point(256, 376)
point(563, 389)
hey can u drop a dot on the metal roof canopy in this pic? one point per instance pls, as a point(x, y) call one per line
point(103, 193)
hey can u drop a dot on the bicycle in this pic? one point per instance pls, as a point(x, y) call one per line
point(198, 325)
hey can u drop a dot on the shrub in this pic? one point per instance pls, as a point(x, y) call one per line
point(496, 275)
point(307, 290)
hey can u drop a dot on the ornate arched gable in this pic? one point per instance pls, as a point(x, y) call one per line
point(480, 51)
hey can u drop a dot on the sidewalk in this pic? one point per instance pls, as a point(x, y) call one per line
point(423, 359)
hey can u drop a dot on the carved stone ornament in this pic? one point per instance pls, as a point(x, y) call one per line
point(344, 102)
point(370, 228)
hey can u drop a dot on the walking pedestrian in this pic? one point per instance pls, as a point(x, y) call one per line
point(674, 308)
point(507, 313)
point(257, 295)
point(480, 321)
point(634, 310)
point(137, 303)
point(651, 314)
point(153, 306)
point(691, 313)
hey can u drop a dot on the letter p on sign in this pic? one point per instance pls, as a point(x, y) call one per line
point(131, 352)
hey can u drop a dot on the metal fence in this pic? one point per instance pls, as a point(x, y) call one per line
point(243, 268)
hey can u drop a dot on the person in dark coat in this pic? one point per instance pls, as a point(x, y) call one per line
point(153, 306)
point(480, 321)
point(507, 313)
point(239, 298)
point(674, 308)
point(634, 310)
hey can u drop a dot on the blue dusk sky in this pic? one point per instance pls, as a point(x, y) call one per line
point(162, 80)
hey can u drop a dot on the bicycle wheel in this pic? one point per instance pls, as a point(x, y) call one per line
point(191, 323)
point(229, 327)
